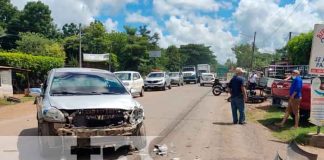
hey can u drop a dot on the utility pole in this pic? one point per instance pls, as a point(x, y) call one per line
point(253, 48)
point(287, 54)
point(80, 52)
point(289, 36)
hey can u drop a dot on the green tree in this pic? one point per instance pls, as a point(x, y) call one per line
point(37, 44)
point(7, 12)
point(193, 54)
point(229, 64)
point(299, 48)
point(96, 39)
point(243, 53)
point(70, 29)
point(35, 17)
point(173, 58)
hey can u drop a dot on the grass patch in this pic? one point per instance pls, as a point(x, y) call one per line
point(268, 116)
point(4, 102)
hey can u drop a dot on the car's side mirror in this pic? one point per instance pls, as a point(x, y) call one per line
point(36, 92)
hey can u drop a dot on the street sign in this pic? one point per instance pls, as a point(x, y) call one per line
point(317, 101)
point(155, 54)
point(95, 57)
point(316, 62)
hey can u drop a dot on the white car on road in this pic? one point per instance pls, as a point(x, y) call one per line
point(132, 80)
point(207, 78)
point(159, 80)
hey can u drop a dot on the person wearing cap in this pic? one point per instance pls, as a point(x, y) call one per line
point(295, 96)
point(238, 96)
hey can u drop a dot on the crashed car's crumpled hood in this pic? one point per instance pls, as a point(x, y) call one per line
point(125, 102)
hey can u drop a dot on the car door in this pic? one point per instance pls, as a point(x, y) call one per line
point(135, 82)
point(140, 81)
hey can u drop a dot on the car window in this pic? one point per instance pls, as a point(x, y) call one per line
point(124, 76)
point(156, 75)
point(85, 84)
point(135, 76)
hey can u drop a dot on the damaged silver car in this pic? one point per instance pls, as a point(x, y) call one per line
point(87, 102)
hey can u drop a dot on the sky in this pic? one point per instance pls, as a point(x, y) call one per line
point(219, 24)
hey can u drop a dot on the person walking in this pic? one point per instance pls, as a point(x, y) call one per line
point(295, 96)
point(238, 96)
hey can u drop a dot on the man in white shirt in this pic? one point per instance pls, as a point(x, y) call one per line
point(252, 80)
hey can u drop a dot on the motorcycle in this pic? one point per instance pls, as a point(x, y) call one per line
point(219, 88)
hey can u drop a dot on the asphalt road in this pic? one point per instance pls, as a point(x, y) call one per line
point(192, 122)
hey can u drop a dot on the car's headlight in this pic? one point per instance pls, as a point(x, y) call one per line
point(137, 116)
point(53, 115)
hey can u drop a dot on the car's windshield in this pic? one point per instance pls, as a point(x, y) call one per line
point(188, 69)
point(124, 76)
point(174, 74)
point(155, 75)
point(85, 83)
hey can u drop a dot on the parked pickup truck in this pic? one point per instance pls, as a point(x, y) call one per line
point(280, 94)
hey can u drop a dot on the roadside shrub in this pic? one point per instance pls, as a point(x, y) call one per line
point(38, 65)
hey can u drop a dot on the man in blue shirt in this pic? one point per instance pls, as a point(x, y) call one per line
point(238, 96)
point(295, 96)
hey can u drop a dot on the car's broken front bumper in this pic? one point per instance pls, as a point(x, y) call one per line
point(124, 130)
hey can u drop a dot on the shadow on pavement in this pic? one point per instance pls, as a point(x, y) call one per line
point(223, 123)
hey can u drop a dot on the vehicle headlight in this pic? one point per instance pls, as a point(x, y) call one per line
point(137, 116)
point(53, 115)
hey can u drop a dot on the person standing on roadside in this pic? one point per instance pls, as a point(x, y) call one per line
point(252, 81)
point(238, 96)
point(295, 96)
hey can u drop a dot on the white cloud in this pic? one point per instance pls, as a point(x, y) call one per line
point(273, 23)
point(138, 18)
point(111, 25)
point(181, 7)
point(79, 11)
point(201, 30)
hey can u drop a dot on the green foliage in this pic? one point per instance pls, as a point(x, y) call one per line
point(7, 12)
point(36, 17)
point(36, 44)
point(95, 39)
point(174, 59)
point(38, 65)
point(229, 64)
point(70, 30)
point(193, 54)
point(243, 54)
point(299, 48)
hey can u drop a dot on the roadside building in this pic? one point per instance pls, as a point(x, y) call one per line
point(6, 80)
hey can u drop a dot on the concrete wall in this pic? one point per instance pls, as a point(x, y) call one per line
point(6, 88)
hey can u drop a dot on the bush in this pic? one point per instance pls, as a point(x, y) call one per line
point(38, 65)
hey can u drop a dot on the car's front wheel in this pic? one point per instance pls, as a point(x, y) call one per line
point(139, 140)
point(142, 92)
point(44, 133)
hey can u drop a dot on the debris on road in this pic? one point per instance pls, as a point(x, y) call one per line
point(161, 150)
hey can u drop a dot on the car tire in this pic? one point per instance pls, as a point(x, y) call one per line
point(164, 87)
point(179, 84)
point(169, 87)
point(139, 140)
point(182, 84)
point(142, 92)
point(43, 133)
